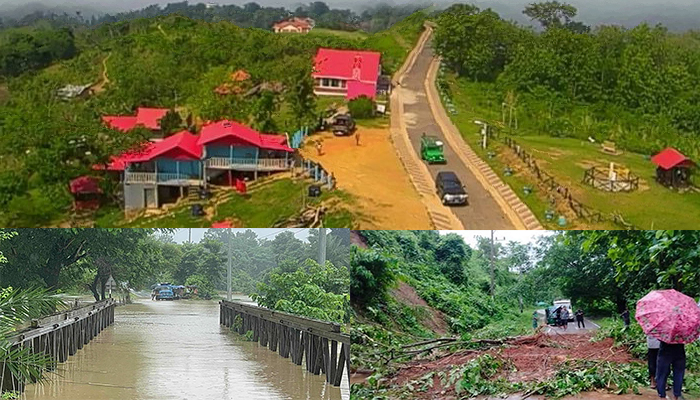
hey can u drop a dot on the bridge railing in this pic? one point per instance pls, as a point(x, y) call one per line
point(59, 336)
point(312, 342)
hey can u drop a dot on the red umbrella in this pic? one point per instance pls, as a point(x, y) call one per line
point(669, 316)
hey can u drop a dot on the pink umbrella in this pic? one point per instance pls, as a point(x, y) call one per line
point(669, 316)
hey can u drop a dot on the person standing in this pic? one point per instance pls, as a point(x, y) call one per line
point(652, 355)
point(579, 319)
point(535, 323)
point(357, 138)
point(670, 356)
point(626, 318)
point(557, 317)
point(565, 318)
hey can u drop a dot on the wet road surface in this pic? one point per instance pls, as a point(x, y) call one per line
point(178, 351)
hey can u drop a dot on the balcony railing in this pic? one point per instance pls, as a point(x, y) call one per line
point(261, 164)
point(160, 177)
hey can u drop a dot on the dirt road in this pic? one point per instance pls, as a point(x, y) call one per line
point(373, 174)
point(483, 211)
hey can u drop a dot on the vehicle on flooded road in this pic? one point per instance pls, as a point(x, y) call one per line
point(163, 291)
point(450, 189)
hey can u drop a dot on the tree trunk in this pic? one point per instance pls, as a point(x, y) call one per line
point(93, 288)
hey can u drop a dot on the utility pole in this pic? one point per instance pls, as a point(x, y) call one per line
point(493, 266)
point(230, 265)
point(189, 240)
point(322, 246)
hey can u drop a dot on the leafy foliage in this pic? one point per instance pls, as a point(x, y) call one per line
point(361, 107)
point(312, 290)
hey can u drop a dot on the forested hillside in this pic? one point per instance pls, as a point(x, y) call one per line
point(279, 272)
point(602, 272)
point(171, 62)
point(637, 86)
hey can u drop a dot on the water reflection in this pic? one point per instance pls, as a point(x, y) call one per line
point(178, 350)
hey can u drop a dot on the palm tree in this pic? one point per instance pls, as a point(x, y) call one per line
point(18, 306)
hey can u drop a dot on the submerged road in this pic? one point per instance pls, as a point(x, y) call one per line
point(177, 350)
point(483, 212)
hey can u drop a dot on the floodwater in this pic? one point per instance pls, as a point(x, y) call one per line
point(178, 351)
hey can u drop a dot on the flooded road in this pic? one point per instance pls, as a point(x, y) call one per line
point(177, 350)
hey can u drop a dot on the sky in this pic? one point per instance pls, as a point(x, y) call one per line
point(182, 235)
point(506, 236)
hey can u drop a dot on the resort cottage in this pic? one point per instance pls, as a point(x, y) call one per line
point(294, 25)
point(349, 73)
point(163, 171)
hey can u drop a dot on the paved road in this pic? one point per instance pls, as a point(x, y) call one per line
point(572, 328)
point(482, 212)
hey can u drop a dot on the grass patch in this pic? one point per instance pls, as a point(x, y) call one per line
point(273, 203)
point(351, 35)
point(651, 206)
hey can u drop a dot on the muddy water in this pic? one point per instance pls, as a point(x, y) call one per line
point(177, 350)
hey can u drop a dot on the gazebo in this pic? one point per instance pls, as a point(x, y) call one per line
point(673, 169)
point(86, 192)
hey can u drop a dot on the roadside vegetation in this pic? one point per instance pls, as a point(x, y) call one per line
point(428, 324)
point(562, 92)
point(164, 61)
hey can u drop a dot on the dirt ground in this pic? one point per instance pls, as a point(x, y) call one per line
point(532, 358)
point(373, 174)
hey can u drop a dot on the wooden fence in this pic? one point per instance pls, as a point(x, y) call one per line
point(551, 185)
point(59, 336)
point(304, 340)
point(599, 178)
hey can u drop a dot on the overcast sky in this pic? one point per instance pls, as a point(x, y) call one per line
point(182, 235)
point(506, 236)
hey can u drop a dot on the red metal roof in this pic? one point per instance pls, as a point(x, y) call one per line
point(222, 224)
point(231, 129)
point(670, 158)
point(347, 64)
point(123, 124)
point(85, 184)
point(180, 146)
point(148, 117)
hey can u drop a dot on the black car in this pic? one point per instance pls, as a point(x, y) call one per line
point(450, 189)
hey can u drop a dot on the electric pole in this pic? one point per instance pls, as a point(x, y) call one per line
point(322, 246)
point(493, 267)
point(189, 239)
point(230, 262)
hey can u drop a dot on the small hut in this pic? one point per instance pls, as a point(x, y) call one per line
point(86, 193)
point(673, 169)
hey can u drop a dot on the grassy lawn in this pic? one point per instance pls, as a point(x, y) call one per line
point(273, 203)
point(352, 35)
point(651, 206)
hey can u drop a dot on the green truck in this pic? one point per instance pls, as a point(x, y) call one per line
point(431, 149)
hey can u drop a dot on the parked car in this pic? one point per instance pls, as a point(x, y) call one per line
point(557, 304)
point(342, 125)
point(450, 189)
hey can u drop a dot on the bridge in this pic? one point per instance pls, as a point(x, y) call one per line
point(59, 336)
point(304, 340)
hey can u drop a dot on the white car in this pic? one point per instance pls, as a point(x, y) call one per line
point(567, 304)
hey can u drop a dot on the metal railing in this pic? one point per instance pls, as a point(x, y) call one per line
point(159, 177)
point(249, 163)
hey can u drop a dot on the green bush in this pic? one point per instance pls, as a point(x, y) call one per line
point(361, 107)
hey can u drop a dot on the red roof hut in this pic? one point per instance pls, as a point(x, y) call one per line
point(86, 192)
point(673, 169)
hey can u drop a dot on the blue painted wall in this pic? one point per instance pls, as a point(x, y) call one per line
point(168, 166)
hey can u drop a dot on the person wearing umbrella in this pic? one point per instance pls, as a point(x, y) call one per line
point(652, 355)
point(674, 319)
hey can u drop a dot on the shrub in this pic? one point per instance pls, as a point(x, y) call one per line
point(361, 107)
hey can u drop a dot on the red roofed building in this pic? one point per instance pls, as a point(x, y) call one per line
point(145, 117)
point(162, 171)
point(294, 25)
point(230, 146)
point(349, 73)
point(86, 192)
point(673, 168)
